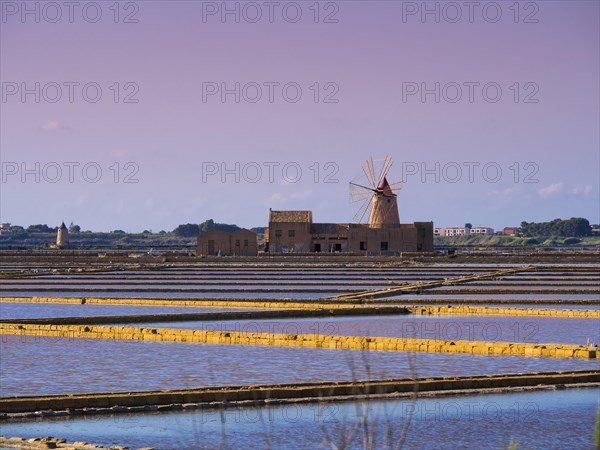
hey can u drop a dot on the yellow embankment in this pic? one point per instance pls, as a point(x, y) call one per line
point(197, 303)
point(498, 311)
point(303, 340)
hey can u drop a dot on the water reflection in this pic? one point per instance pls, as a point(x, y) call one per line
point(542, 419)
point(33, 365)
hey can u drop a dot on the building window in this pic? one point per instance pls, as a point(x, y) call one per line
point(237, 242)
point(245, 242)
point(362, 245)
point(278, 233)
point(292, 233)
point(384, 245)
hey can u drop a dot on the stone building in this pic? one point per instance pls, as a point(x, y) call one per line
point(221, 243)
point(214, 242)
point(329, 237)
point(289, 231)
point(409, 237)
point(62, 236)
point(244, 243)
point(293, 231)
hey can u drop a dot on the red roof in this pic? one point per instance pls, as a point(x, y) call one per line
point(383, 184)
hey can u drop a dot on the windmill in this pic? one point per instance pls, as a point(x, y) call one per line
point(379, 202)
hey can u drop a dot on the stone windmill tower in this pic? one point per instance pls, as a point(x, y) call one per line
point(380, 201)
point(62, 236)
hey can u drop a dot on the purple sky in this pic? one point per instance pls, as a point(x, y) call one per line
point(547, 151)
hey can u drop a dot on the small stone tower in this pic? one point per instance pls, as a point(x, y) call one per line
point(62, 237)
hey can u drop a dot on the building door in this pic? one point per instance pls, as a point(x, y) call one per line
point(338, 247)
point(318, 248)
point(211, 247)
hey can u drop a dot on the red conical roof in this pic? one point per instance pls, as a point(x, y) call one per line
point(384, 188)
point(383, 184)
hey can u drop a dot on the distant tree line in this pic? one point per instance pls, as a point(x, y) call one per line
point(573, 227)
point(190, 229)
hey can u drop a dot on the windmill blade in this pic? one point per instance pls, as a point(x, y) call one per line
point(364, 210)
point(359, 193)
point(387, 165)
point(362, 187)
point(395, 187)
point(369, 171)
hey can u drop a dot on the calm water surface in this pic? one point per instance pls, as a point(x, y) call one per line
point(33, 365)
point(269, 295)
point(533, 420)
point(9, 310)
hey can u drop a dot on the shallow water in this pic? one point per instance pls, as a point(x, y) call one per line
point(33, 365)
point(489, 296)
point(560, 306)
point(266, 295)
point(486, 289)
point(250, 288)
point(541, 420)
point(237, 276)
point(246, 271)
point(526, 282)
point(38, 310)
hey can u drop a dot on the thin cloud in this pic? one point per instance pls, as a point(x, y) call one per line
point(54, 125)
point(551, 190)
point(302, 195)
point(505, 194)
point(51, 125)
point(276, 198)
point(580, 189)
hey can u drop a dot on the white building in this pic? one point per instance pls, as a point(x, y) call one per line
point(487, 231)
point(456, 231)
point(462, 231)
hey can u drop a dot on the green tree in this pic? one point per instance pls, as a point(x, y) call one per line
point(212, 225)
point(573, 227)
point(188, 230)
point(40, 228)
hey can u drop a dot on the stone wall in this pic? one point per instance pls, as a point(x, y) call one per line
point(303, 340)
